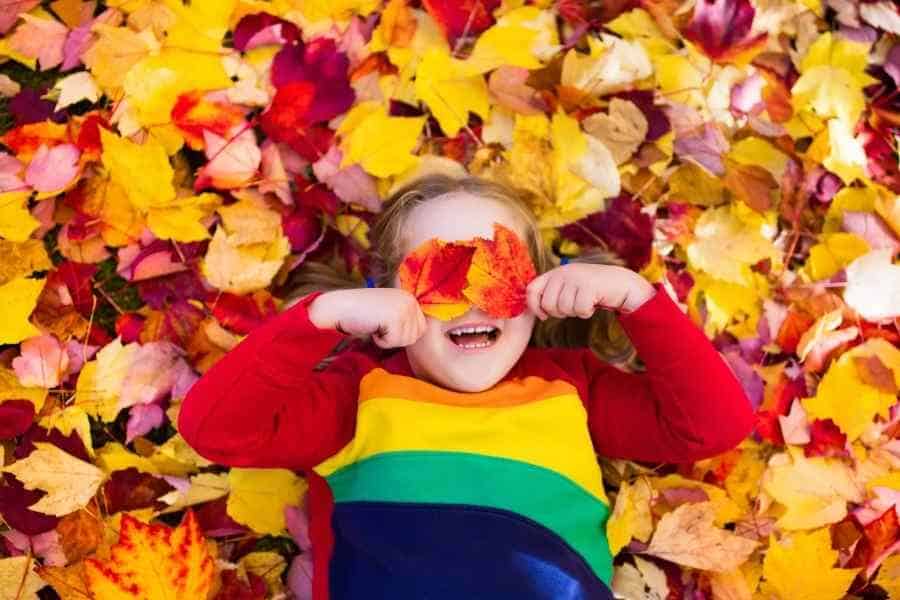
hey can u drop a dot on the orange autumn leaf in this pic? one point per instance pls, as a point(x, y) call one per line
point(501, 270)
point(435, 273)
point(193, 113)
point(154, 562)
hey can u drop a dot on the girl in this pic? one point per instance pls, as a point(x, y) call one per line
point(463, 464)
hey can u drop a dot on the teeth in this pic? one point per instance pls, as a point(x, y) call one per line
point(483, 345)
point(480, 329)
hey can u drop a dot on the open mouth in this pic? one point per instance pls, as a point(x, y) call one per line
point(475, 337)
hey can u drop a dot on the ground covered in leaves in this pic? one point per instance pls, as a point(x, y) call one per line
point(166, 165)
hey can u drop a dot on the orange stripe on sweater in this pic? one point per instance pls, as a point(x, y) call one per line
point(379, 383)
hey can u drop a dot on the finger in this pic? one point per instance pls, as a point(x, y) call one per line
point(533, 296)
point(566, 302)
point(550, 296)
point(584, 306)
point(380, 337)
point(421, 322)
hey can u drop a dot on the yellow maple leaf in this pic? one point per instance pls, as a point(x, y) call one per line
point(11, 389)
point(631, 517)
point(848, 199)
point(113, 53)
point(70, 483)
point(18, 298)
point(832, 78)
point(842, 381)
point(613, 64)
point(728, 240)
point(833, 253)
point(113, 456)
point(802, 567)
point(154, 562)
point(16, 223)
point(69, 419)
point(754, 150)
point(182, 221)
point(744, 480)
point(381, 144)
point(523, 37)
point(143, 170)
point(258, 497)
point(846, 157)
point(814, 491)
point(93, 397)
point(267, 565)
point(451, 90)
point(889, 576)
point(22, 258)
point(243, 268)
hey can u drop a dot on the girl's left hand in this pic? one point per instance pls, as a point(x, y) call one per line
point(578, 289)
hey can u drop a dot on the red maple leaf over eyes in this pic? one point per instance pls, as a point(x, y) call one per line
point(446, 278)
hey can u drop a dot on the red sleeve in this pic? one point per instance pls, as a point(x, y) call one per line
point(262, 405)
point(686, 406)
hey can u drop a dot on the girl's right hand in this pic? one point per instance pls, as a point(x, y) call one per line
point(392, 316)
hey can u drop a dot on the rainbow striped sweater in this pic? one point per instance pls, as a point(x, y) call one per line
point(501, 490)
point(418, 492)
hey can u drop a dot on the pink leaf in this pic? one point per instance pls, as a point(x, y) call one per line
point(152, 375)
point(871, 228)
point(53, 169)
point(232, 162)
point(274, 174)
point(351, 184)
point(10, 11)
point(142, 418)
point(705, 145)
point(43, 362)
point(10, 168)
point(41, 39)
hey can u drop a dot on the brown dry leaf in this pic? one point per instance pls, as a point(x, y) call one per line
point(622, 130)
point(687, 536)
point(751, 184)
point(874, 372)
point(80, 533)
point(69, 581)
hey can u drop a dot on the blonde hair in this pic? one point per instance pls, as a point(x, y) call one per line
point(602, 333)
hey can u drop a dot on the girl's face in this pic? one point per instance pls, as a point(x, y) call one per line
point(467, 363)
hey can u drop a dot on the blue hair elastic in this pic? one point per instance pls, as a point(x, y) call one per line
point(564, 261)
point(370, 283)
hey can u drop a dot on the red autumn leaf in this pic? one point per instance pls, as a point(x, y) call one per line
point(878, 536)
point(154, 561)
point(458, 18)
point(792, 329)
point(435, 273)
point(778, 404)
point(622, 227)
point(874, 372)
point(825, 439)
point(235, 589)
point(501, 270)
point(15, 417)
point(722, 27)
point(193, 113)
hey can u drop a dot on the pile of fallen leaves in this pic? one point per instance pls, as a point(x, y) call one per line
point(166, 165)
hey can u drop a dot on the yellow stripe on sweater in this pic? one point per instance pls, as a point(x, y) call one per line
point(550, 433)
